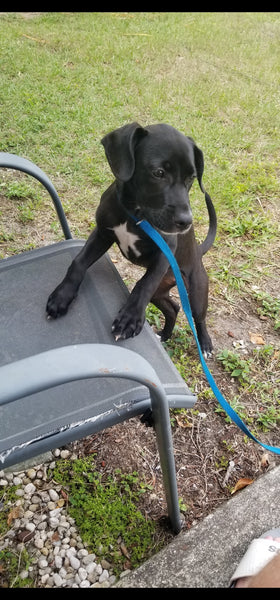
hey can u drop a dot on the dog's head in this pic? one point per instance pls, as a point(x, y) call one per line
point(155, 167)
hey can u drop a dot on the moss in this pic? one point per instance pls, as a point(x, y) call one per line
point(106, 512)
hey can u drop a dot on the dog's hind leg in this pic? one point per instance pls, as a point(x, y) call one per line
point(197, 285)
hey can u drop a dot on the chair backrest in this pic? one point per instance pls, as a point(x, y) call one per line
point(13, 161)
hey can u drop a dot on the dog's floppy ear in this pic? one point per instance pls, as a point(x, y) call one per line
point(119, 148)
point(199, 163)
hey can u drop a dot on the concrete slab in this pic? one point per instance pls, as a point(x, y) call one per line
point(207, 555)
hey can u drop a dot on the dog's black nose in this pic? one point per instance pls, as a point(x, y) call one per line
point(182, 222)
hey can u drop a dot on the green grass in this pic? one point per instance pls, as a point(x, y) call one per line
point(69, 78)
point(262, 412)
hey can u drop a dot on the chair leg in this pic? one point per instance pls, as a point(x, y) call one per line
point(165, 445)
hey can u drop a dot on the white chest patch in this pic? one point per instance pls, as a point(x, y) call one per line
point(126, 240)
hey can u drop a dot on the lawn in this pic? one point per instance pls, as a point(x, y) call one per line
point(69, 78)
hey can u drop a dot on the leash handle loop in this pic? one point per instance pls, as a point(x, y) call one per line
point(158, 239)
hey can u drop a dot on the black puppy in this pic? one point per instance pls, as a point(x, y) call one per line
point(154, 169)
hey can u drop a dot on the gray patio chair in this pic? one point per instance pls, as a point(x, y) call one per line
point(64, 379)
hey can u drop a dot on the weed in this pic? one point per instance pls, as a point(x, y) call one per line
point(269, 307)
point(222, 463)
point(183, 507)
point(11, 564)
point(106, 510)
point(250, 226)
point(269, 417)
point(179, 343)
point(236, 366)
point(7, 499)
point(264, 413)
point(154, 316)
point(229, 447)
point(238, 407)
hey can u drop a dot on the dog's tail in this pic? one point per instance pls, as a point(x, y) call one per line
point(209, 240)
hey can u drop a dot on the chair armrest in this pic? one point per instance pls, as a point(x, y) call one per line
point(69, 363)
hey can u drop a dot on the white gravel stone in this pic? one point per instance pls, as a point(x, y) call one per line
point(55, 512)
point(90, 568)
point(42, 563)
point(71, 552)
point(99, 569)
point(64, 453)
point(82, 553)
point(63, 573)
point(54, 522)
point(89, 558)
point(84, 583)
point(31, 473)
point(74, 562)
point(23, 574)
point(58, 581)
point(30, 488)
point(58, 561)
point(82, 573)
point(104, 576)
point(17, 480)
point(53, 495)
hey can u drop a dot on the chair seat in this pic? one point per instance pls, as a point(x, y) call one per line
point(26, 281)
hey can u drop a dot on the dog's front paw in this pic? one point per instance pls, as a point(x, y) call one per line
point(58, 302)
point(206, 347)
point(127, 324)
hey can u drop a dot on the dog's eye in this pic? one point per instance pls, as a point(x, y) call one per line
point(159, 173)
point(189, 181)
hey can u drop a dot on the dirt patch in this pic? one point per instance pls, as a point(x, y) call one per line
point(211, 454)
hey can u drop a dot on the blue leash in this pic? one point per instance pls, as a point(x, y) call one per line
point(157, 238)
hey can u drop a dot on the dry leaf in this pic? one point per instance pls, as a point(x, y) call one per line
point(34, 39)
point(25, 535)
point(265, 461)
point(183, 421)
point(124, 550)
point(241, 483)
point(13, 514)
point(64, 495)
point(256, 339)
